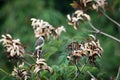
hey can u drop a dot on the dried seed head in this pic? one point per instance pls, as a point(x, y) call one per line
point(90, 49)
point(81, 7)
point(99, 4)
point(43, 28)
point(86, 5)
point(41, 65)
point(58, 31)
point(20, 73)
point(13, 47)
point(77, 17)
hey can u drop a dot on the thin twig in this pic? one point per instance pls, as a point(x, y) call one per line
point(118, 74)
point(84, 65)
point(91, 75)
point(77, 72)
point(38, 76)
point(76, 75)
point(115, 22)
point(77, 68)
point(4, 72)
point(103, 33)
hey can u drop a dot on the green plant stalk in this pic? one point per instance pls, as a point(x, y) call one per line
point(91, 75)
point(79, 70)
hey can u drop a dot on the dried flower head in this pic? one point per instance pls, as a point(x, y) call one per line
point(73, 46)
point(77, 17)
point(43, 28)
point(94, 49)
point(58, 31)
point(83, 15)
point(81, 4)
point(41, 65)
point(76, 53)
point(20, 73)
point(86, 5)
point(73, 21)
point(99, 4)
point(90, 49)
point(13, 47)
point(81, 7)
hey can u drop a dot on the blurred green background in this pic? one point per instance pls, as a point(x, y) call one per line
point(15, 19)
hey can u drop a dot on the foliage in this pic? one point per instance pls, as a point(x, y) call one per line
point(15, 18)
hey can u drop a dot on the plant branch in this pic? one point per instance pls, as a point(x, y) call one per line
point(84, 65)
point(103, 33)
point(4, 72)
point(38, 76)
point(118, 74)
point(115, 22)
point(78, 70)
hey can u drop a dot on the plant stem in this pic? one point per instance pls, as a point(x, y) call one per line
point(103, 33)
point(4, 72)
point(78, 70)
point(115, 22)
point(118, 74)
point(38, 76)
point(91, 75)
point(84, 65)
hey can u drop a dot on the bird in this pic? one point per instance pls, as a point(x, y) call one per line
point(38, 46)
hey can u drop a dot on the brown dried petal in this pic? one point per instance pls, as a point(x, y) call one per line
point(75, 5)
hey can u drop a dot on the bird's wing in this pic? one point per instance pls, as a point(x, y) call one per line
point(39, 43)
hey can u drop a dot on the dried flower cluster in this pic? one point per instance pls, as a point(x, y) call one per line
point(43, 28)
point(41, 65)
point(79, 15)
point(90, 49)
point(89, 4)
point(20, 73)
point(13, 47)
point(82, 6)
point(99, 4)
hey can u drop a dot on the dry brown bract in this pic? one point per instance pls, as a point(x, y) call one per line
point(43, 28)
point(85, 5)
point(78, 16)
point(81, 7)
point(81, 4)
point(58, 31)
point(99, 4)
point(94, 49)
point(90, 49)
point(41, 65)
point(13, 47)
point(20, 73)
